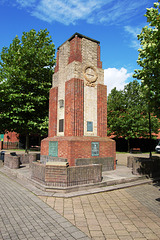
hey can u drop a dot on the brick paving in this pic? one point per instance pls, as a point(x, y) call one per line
point(129, 213)
point(24, 216)
point(148, 196)
point(132, 213)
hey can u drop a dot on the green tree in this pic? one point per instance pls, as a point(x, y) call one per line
point(128, 113)
point(26, 69)
point(149, 59)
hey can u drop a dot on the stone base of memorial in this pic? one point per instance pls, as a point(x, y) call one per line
point(145, 166)
point(59, 174)
point(79, 151)
point(12, 162)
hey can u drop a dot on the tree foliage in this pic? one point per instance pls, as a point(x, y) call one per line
point(26, 69)
point(128, 113)
point(149, 58)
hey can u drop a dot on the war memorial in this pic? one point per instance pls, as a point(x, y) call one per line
point(77, 133)
point(77, 150)
point(78, 107)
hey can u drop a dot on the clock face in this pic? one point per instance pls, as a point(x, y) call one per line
point(90, 75)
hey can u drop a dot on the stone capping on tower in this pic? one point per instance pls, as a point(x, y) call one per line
point(80, 36)
point(75, 53)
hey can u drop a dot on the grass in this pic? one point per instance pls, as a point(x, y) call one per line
point(135, 153)
point(16, 150)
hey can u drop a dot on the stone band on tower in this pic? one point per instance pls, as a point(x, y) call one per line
point(78, 106)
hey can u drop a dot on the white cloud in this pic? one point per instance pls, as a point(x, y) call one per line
point(93, 11)
point(117, 12)
point(114, 77)
point(24, 3)
point(64, 11)
point(133, 31)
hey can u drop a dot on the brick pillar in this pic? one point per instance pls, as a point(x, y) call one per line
point(75, 50)
point(57, 63)
point(101, 110)
point(53, 104)
point(74, 107)
point(99, 63)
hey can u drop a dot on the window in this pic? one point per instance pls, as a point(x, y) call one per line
point(89, 126)
point(61, 103)
point(61, 123)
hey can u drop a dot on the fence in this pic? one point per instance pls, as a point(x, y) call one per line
point(11, 145)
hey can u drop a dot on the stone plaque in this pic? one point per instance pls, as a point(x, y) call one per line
point(95, 148)
point(90, 75)
point(53, 148)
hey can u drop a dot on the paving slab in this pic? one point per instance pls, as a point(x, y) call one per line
point(127, 208)
point(129, 213)
point(25, 216)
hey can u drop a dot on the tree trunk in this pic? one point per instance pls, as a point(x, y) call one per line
point(27, 143)
point(128, 145)
point(39, 140)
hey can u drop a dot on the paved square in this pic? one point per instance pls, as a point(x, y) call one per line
point(132, 213)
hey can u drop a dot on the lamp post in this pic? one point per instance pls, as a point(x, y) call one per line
point(150, 136)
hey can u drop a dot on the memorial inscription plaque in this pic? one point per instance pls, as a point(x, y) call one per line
point(53, 148)
point(95, 148)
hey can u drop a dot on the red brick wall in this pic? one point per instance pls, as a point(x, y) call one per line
point(11, 137)
point(57, 63)
point(72, 148)
point(56, 174)
point(53, 104)
point(99, 63)
point(82, 149)
point(45, 146)
point(101, 110)
point(74, 107)
point(11, 140)
point(75, 50)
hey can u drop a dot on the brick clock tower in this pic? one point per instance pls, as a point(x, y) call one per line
point(78, 107)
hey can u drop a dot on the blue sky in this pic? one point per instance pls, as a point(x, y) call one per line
point(115, 23)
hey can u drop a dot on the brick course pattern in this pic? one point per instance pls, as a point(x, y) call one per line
point(11, 161)
point(53, 102)
point(144, 166)
point(28, 158)
point(107, 162)
point(74, 105)
point(72, 148)
point(57, 63)
point(14, 161)
point(99, 63)
point(66, 176)
point(38, 172)
point(75, 50)
point(101, 110)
